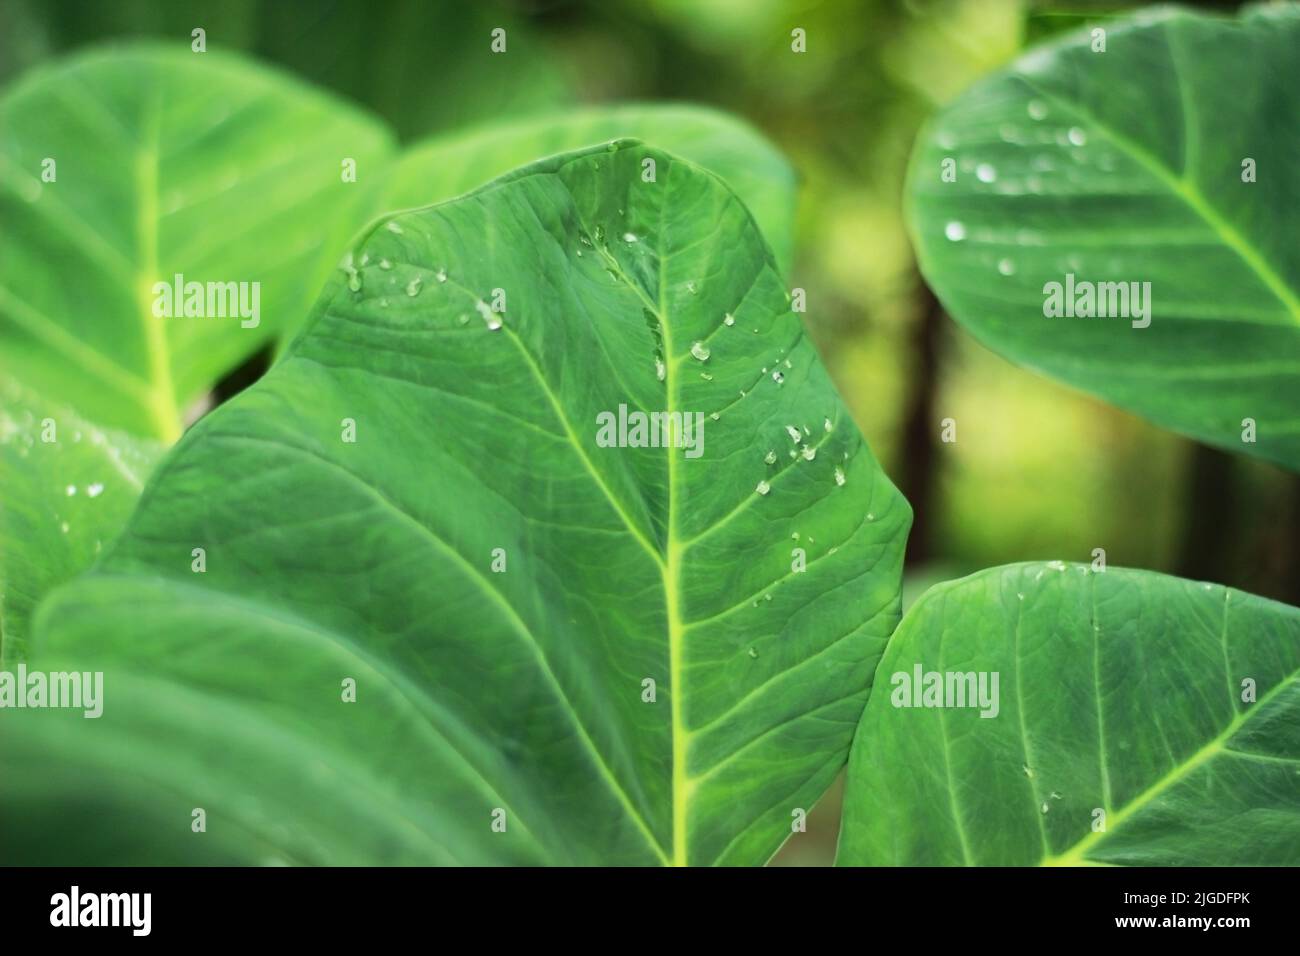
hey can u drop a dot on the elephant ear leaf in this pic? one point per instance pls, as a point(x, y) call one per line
point(1113, 210)
point(127, 171)
point(555, 486)
point(752, 167)
point(1052, 714)
point(68, 487)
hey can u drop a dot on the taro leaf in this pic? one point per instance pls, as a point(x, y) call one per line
point(1127, 167)
point(452, 165)
point(165, 162)
point(1119, 693)
point(500, 586)
point(66, 489)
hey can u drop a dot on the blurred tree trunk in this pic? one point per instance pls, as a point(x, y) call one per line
point(1208, 523)
point(919, 445)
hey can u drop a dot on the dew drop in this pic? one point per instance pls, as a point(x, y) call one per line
point(1077, 136)
point(763, 488)
point(691, 287)
point(70, 490)
point(955, 231)
point(700, 351)
point(839, 476)
point(630, 237)
point(385, 264)
point(490, 318)
point(826, 424)
point(441, 275)
point(660, 371)
point(393, 227)
point(728, 319)
point(1006, 267)
point(413, 287)
point(64, 527)
point(1037, 110)
point(95, 490)
point(985, 173)
point(354, 281)
point(753, 653)
point(809, 452)
point(706, 376)
point(778, 377)
point(770, 458)
point(796, 436)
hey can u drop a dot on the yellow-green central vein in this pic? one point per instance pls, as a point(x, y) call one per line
point(1075, 855)
point(162, 396)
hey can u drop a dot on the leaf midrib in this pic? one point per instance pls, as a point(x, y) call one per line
point(162, 396)
point(1076, 854)
point(671, 566)
point(1185, 189)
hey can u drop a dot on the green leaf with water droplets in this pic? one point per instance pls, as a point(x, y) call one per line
point(1139, 719)
point(1130, 166)
point(454, 164)
point(124, 167)
point(66, 489)
point(614, 653)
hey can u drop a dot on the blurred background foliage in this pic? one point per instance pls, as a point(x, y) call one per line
point(1037, 471)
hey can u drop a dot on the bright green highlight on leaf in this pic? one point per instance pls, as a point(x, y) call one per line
point(164, 163)
point(66, 489)
point(1134, 165)
point(637, 655)
point(1143, 720)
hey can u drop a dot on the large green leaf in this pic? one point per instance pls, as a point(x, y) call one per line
point(1127, 166)
point(1120, 692)
point(522, 689)
point(167, 162)
point(451, 165)
point(66, 489)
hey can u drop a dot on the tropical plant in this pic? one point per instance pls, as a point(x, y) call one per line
point(546, 538)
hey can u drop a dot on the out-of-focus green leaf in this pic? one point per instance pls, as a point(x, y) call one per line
point(422, 65)
point(66, 489)
point(1126, 167)
point(165, 162)
point(543, 629)
point(449, 166)
point(1139, 719)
